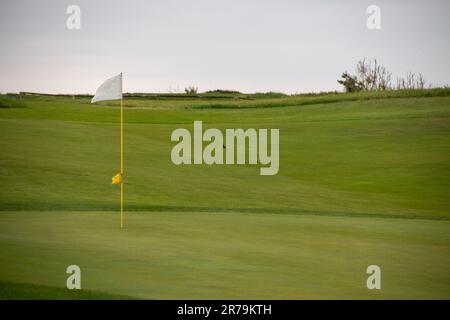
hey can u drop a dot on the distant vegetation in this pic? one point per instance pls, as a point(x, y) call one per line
point(221, 99)
point(220, 91)
point(256, 101)
point(11, 101)
point(372, 76)
point(191, 90)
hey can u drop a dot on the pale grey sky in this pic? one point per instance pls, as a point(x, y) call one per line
point(258, 45)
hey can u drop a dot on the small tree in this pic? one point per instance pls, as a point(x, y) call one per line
point(349, 82)
point(191, 90)
point(373, 76)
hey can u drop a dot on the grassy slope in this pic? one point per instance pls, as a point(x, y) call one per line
point(226, 231)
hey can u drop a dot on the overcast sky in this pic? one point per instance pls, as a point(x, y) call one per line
point(161, 45)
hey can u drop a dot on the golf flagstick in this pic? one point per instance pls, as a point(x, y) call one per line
point(121, 162)
point(111, 89)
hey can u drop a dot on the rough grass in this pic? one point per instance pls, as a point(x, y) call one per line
point(240, 100)
point(312, 99)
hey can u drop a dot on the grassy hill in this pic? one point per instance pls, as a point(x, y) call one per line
point(364, 179)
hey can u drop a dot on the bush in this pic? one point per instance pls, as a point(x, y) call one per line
point(350, 83)
point(11, 102)
point(191, 90)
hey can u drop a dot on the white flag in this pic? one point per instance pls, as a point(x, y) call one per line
point(111, 89)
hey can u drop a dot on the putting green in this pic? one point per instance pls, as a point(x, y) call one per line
point(228, 255)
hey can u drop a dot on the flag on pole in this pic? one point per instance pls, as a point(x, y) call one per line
point(117, 179)
point(111, 89)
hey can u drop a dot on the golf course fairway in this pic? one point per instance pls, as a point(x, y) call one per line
point(362, 181)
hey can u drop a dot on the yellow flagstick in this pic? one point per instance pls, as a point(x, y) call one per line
point(121, 162)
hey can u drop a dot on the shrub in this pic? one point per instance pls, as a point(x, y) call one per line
point(349, 82)
point(191, 90)
point(11, 102)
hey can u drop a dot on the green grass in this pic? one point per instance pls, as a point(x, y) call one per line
point(20, 291)
point(364, 179)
